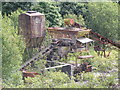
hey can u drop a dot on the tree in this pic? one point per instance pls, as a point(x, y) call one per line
point(8, 7)
point(72, 8)
point(51, 12)
point(103, 18)
point(14, 17)
point(12, 50)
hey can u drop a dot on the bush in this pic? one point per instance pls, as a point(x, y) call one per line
point(79, 19)
point(14, 17)
point(12, 50)
point(49, 80)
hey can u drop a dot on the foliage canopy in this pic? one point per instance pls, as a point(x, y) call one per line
point(103, 18)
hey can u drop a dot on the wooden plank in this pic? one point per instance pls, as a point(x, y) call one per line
point(56, 66)
point(84, 57)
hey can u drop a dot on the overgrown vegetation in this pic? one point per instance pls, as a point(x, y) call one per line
point(97, 16)
point(13, 47)
point(51, 11)
point(103, 16)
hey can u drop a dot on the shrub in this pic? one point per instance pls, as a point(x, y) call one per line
point(12, 50)
point(49, 80)
point(79, 19)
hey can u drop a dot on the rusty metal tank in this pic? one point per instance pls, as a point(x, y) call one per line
point(32, 27)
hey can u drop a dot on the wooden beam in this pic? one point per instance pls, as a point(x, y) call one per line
point(56, 66)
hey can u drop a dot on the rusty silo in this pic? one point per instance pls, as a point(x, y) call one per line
point(32, 27)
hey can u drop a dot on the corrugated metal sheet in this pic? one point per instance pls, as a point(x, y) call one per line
point(84, 40)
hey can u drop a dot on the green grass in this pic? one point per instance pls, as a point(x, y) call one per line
point(105, 74)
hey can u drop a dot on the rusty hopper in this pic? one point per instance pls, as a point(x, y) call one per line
point(32, 27)
point(70, 33)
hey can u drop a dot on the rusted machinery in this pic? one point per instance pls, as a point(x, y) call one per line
point(104, 42)
point(32, 27)
point(64, 41)
point(97, 37)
